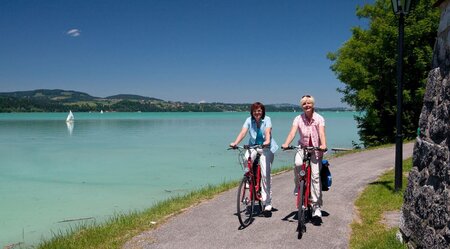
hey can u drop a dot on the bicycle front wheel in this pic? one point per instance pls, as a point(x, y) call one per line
point(301, 210)
point(245, 202)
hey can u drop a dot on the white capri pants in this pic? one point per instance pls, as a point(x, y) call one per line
point(265, 160)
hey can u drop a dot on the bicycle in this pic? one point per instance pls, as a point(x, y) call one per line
point(249, 190)
point(303, 173)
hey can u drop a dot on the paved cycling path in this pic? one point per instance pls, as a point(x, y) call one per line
point(213, 225)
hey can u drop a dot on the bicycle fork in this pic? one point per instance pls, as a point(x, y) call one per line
point(254, 174)
point(303, 173)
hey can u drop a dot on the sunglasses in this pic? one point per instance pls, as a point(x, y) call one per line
point(306, 96)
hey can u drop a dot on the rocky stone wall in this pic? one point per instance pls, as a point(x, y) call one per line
point(425, 221)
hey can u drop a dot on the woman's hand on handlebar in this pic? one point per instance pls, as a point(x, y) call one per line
point(285, 146)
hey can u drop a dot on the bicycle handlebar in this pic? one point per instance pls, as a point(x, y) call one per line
point(298, 147)
point(241, 159)
point(246, 147)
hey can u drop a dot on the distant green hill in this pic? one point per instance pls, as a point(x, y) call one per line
point(57, 100)
point(54, 95)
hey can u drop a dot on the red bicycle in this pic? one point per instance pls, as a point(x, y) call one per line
point(303, 176)
point(249, 190)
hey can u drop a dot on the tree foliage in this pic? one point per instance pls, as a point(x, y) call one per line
point(366, 65)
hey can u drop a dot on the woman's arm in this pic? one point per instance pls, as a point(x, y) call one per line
point(239, 137)
point(323, 139)
point(290, 136)
point(267, 134)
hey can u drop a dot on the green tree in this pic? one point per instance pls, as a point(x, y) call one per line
point(366, 65)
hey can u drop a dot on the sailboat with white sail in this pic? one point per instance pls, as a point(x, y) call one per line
point(70, 118)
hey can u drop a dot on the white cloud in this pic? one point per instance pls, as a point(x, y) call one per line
point(73, 32)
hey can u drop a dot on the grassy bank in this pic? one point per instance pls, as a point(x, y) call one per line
point(368, 229)
point(368, 232)
point(122, 227)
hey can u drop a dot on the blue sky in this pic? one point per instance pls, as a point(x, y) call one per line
point(233, 51)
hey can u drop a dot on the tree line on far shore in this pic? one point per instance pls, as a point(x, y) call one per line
point(44, 100)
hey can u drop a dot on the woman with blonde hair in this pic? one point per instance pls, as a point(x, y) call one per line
point(311, 127)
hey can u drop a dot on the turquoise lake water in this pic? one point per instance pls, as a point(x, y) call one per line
point(51, 172)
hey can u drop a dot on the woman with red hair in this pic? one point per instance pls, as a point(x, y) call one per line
point(259, 128)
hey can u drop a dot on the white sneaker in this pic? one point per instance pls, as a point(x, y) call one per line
point(317, 212)
point(268, 208)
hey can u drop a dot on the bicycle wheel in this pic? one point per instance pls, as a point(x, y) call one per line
point(245, 202)
point(301, 211)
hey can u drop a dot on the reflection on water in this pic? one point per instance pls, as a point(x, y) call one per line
point(70, 126)
point(118, 162)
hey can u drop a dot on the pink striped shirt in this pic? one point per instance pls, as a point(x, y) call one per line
point(309, 130)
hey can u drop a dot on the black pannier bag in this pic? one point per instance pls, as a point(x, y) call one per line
point(325, 176)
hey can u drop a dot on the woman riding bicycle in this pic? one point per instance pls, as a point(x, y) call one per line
point(311, 127)
point(259, 127)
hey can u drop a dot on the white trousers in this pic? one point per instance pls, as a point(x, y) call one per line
point(316, 185)
point(265, 161)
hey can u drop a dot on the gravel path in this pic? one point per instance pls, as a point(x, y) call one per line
point(213, 225)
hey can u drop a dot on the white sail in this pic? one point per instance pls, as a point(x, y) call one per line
point(70, 117)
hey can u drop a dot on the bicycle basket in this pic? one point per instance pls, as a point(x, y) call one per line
point(242, 160)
